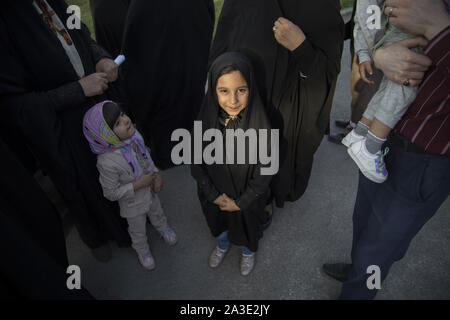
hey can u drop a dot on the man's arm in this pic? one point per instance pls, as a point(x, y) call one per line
point(425, 17)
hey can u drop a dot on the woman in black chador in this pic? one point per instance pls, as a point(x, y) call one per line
point(166, 44)
point(109, 18)
point(34, 259)
point(296, 47)
point(49, 76)
point(233, 195)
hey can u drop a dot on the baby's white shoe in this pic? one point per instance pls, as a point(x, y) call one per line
point(351, 138)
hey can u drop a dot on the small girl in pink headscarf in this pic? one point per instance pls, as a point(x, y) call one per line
point(127, 174)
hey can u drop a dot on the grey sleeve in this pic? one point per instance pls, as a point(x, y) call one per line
point(364, 37)
point(361, 48)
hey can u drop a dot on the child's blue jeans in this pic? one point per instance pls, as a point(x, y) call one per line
point(223, 243)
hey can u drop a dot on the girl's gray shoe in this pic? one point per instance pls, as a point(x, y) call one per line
point(216, 257)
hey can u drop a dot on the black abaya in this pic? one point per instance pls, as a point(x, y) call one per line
point(40, 96)
point(241, 182)
point(109, 18)
point(166, 45)
point(32, 243)
point(298, 86)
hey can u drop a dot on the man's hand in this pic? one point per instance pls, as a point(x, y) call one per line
point(94, 84)
point(109, 67)
point(424, 17)
point(288, 34)
point(157, 183)
point(399, 63)
point(365, 70)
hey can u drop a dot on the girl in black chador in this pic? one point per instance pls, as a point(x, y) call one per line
point(295, 47)
point(233, 196)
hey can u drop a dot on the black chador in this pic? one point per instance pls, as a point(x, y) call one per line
point(298, 86)
point(241, 182)
point(40, 96)
point(109, 18)
point(166, 45)
point(34, 260)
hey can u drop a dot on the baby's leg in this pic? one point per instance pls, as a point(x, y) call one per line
point(362, 127)
point(379, 129)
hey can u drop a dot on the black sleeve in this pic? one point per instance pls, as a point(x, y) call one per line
point(258, 184)
point(17, 94)
point(311, 59)
point(204, 182)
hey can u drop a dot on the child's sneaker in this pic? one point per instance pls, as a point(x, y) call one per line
point(247, 264)
point(147, 260)
point(351, 138)
point(216, 257)
point(169, 236)
point(373, 168)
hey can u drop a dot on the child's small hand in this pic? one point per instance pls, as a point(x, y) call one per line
point(220, 201)
point(229, 205)
point(365, 69)
point(144, 181)
point(157, 184)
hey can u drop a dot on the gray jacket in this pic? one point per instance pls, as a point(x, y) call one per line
point(116, 178)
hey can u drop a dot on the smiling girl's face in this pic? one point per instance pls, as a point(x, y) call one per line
point(123, 127)
point(232, 92)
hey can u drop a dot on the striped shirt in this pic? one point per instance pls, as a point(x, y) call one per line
point(427, 121)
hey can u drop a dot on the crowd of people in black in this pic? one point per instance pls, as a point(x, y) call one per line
point(73, 114)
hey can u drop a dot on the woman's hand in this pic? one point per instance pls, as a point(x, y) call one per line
point(109, 67)
point(365, 70)
point(288, 34)
point(157, 184)
point(425, 17)
point(400, 64)
point(94, 84)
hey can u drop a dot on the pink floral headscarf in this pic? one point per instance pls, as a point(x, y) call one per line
point(102, 139)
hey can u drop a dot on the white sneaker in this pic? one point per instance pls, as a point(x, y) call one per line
point(373, 169)
point(351, 138)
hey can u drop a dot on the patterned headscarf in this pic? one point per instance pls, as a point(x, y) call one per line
point(102, 139)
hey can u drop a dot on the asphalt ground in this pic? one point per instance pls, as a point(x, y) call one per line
point(303, 235)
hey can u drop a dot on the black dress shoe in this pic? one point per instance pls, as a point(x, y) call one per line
point(338, 271)
point(336, 138)
point(342, 123)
